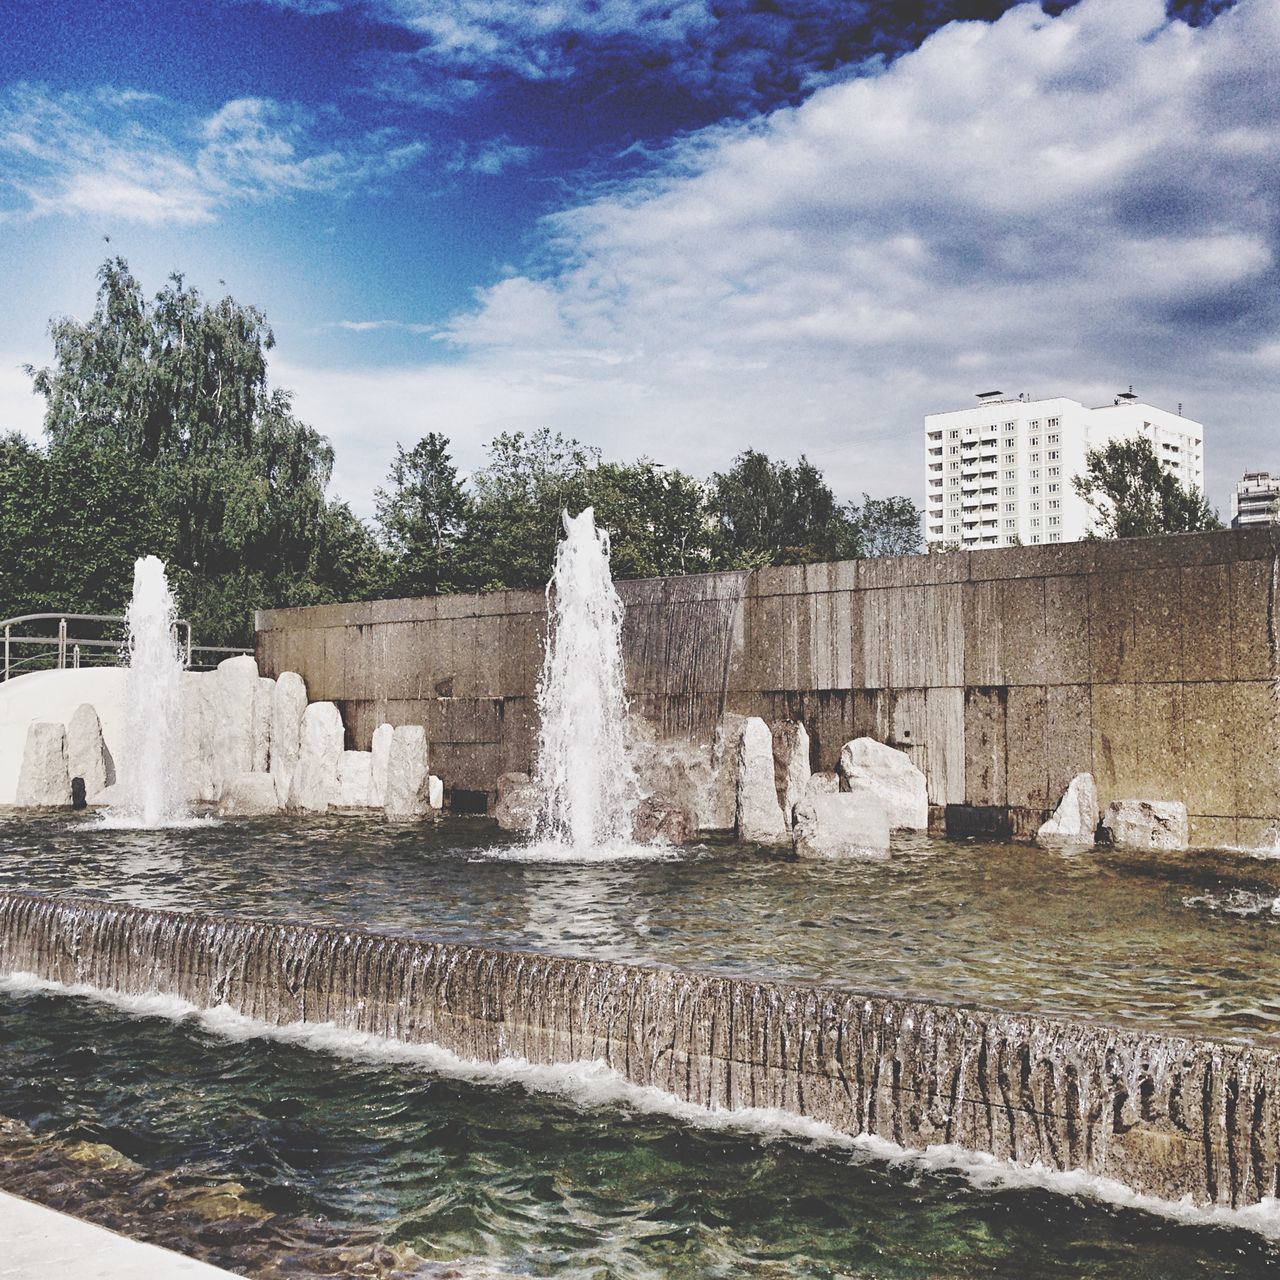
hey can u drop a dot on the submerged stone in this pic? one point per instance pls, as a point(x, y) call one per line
point(1145, 824)
point(866, 763)
point(657, 820)
point(43, 780)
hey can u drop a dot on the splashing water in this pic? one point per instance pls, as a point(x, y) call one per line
point(151, 782)
point(583, 772)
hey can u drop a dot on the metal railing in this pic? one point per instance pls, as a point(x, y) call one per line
point(79, 639)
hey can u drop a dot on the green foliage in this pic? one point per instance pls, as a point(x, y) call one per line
point(163, 437)
point(774, 513)
point(162, 409)
point(421, 515)
point(1133, 495)
point(888, 527)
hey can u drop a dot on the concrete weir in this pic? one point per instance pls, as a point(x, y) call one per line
point(1169, 1116)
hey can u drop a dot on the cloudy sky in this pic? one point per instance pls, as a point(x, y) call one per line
point(676, 228)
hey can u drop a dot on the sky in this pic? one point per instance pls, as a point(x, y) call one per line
point(668, 228)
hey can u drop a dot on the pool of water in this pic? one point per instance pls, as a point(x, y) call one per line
point(1179, 941)
point(273, 1159)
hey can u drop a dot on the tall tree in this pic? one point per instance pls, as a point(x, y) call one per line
point(1134, 495)
point(887, 526)
point(421, 515)
point(774, 513)
point(172, 396)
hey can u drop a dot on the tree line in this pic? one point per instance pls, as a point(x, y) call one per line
point(163, 436)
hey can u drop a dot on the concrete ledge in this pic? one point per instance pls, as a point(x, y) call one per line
point(44, 1242)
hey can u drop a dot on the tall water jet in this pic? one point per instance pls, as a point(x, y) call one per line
point(151, 783)
point(583, 773)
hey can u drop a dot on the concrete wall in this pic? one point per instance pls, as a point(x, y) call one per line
point(1153, 663)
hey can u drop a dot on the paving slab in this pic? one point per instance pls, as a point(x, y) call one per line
point(36, 1242)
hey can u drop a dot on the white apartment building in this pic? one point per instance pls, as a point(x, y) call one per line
point(1000, 473)
point(1256, 500)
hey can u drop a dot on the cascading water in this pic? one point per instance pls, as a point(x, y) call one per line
point(151, 783)
point(583, 773)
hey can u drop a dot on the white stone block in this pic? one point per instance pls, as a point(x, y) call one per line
point(251, 795)
point(435, 792)
point(288, 703)
point(844, 824)
point(408, 789)
point(354, 768)
point(790, 764)
point(198, 690)
point(757, 815)
point(382, 736)
point(263, 711)
point(315, 780)
point(87, 754)
point(1075, 820)
point(234, 695)
point(1146, 824)
point(864, 762)
point(43, 781)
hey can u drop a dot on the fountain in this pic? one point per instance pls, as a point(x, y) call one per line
point(151, 782)
point(583, 773)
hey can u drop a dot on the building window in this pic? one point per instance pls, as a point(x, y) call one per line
point(1055, 471)
point(1011, 506)
point(1010, 524)
point(1035, 537)
point(1035, 524)
point(1010, 458)
point(1055, 537)
point(1010, 475)
point(1053, 455)
point(1053, 488)
point(1053, 422)
point(1055, 519)
point(1035, 475)
point(953, 435)
point(1010, 490)
point(1053, 439)
point(1054, 504)
point(1035, 488)
point(955, 448)
point(1009, 444)
point(1035, 457)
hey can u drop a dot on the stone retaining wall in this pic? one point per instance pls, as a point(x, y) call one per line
point(1152, 663)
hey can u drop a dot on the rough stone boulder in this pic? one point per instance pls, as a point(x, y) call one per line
point(263, 713)
point(232, 706)
point(435, 792)
point(823, 784)
point(1075, 820)
point(354, 770)
point(866, 763)
point(758, 815)
point(718, 809)
point(790, 764)
point(87, 754)
point(408, 793)
point(381, 759)
point(197, 735)
point(43, 780)
point(315, 780)
point(1145, 824)
point(251, 795)
point(657, 820)
point(288, 704)
point(516, 808)
point(842, 824)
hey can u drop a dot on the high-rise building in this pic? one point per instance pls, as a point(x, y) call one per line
point(1256, 500)
point(999, 473)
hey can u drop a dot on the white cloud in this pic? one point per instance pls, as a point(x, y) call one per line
point(20, 409)
point(133, 156)
point(1059, 205)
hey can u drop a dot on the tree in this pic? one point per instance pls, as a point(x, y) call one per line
point(169, 400)
point(516, 504)
point(656, 516)
point(887, 526)
point(421, 514)
point(773, 513)
point(1133, 495)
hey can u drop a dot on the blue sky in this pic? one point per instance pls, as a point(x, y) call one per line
point(676, 229)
